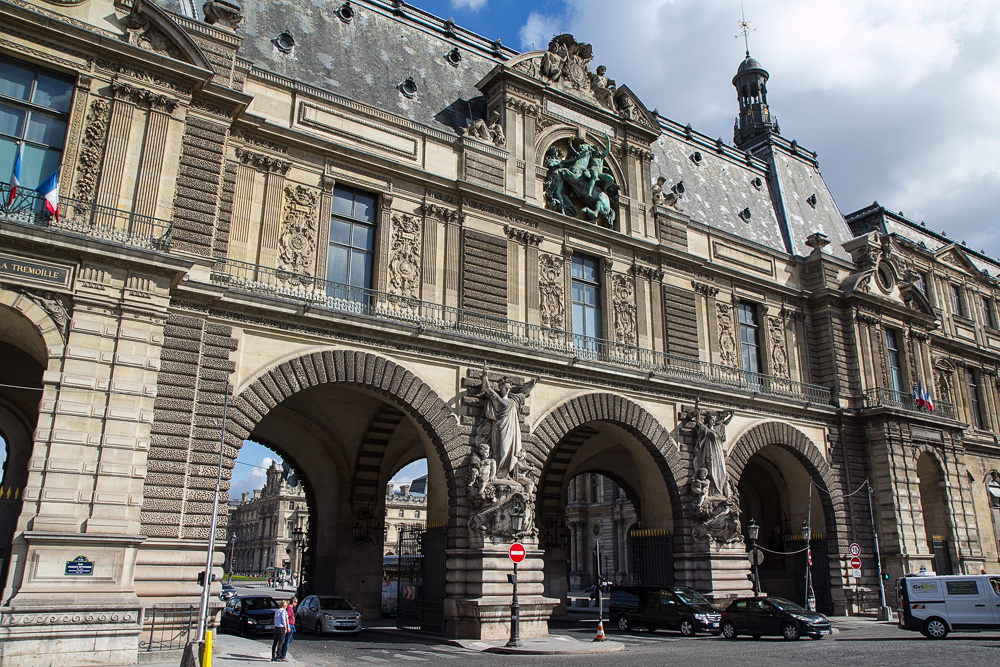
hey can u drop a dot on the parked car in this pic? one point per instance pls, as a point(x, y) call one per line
point(936, 605)
point(673, 607)
point(249, 615)
point(228, 592)
point(761, 615)
point(327, 614)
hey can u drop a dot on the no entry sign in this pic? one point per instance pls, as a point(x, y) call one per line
point(517, 552)
point(855, 562)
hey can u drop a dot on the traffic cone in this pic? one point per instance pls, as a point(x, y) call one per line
point(600, 633)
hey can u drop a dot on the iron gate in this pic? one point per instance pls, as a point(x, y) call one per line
point(820, 574)
point(422, 578)
point(411, 579)
point(652, 557)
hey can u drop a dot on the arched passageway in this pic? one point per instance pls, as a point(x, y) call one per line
point(934, 509)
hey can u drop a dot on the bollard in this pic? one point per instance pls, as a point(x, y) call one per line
point(206, 655)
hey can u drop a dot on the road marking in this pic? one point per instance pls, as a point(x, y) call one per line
point(368, 658)
point(435, 654)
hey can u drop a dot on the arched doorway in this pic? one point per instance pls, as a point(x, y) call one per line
point(935, 512)
point(602, 447)
point(784, 492)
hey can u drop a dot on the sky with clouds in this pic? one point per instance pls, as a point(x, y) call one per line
point(898, 98)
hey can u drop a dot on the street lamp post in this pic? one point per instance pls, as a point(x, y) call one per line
point(753, 530)
point(298, 542)
point(517, 523)
point(807, 536)
point(232, 556)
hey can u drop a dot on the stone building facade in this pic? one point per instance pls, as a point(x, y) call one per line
point(403, 511)
point(503, 263)
point(599, 520)
point(265, 526)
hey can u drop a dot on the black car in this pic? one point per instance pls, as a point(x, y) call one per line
point(248, 616)
point(227, 592)
point(758, 616)
point(673, 607)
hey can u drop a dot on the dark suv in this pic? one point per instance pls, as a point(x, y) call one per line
point(761, 615)
point(673, 607)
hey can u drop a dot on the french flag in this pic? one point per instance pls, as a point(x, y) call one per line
point(928, 401)
point(50, 190)
point(15, 177)
point(918, 395)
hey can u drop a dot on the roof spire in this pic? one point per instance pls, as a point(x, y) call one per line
point(745, 30)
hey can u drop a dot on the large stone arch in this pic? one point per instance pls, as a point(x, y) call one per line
point(565, 418)
point(397, 385)
point(808, 454)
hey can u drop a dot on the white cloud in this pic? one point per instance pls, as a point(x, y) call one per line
point(899, 99)
point(471, 5)
point(248, 478)
point(538, 30)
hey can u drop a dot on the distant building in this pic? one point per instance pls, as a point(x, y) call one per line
point(265, 524)
point(597, 513)
point(405, 509)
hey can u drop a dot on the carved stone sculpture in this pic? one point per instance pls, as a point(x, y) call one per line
point(550, 288)
point(497, 487)
point(710, 454)
point(492, 133)
point(404, 262)
point(776, 339)
point(297, 242)
point(578, 181)
point(603, 87)
point(227, 12)
point(714, 500)
point(625, 311)
point(727, 340)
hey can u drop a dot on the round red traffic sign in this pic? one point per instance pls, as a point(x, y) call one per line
point(855, 549)
point(517, 552)
point(855, 562)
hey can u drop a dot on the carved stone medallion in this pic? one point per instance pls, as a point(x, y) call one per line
point(298, 235)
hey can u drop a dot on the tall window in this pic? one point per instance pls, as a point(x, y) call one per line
point(352, 243)
point(974, 402)
point(586, 301)
point(749, 336)
point(595, 488)
point(921, 282)
point(988, 317)
point(957, 305)
point(895, 366)
point(34, 109)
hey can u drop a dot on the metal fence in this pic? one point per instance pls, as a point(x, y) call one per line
point(319, 293)
point(87, 219)
point(168, 628)
point(901, 400)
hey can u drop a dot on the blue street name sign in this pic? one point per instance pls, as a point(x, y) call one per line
point(79, 566)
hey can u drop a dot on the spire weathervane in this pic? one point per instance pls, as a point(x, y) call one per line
point(745, 29)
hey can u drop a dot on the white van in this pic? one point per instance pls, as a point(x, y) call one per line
point(936, 605)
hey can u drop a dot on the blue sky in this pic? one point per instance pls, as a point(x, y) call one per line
point(254, 460)
point(898, 99)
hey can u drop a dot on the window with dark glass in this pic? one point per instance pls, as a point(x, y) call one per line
point(595, 489)
point(586, 300)
point(921, 282)
point(34, 109)
point(957, 305)
point(352, 243)
point(894, 363)
point(988, 317)
point(749, 336)
point(975, 405)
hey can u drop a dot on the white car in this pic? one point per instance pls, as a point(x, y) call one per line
point(327, 614)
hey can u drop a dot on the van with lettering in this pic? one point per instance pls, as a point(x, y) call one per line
point(936, 605)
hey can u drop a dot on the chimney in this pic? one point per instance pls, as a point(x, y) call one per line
point(388, 489)
point(404, 489)
point(245, 496)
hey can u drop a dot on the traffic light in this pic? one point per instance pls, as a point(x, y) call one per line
point(201, 578)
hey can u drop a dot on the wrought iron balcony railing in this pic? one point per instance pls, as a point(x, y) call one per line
point(86, 219)
point(320, 293)
point(890, 398)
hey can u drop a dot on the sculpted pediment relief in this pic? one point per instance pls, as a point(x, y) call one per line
point(566, 66)
point(150, 28)
point(955, 256)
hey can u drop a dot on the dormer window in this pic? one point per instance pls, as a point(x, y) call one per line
point(957, 303)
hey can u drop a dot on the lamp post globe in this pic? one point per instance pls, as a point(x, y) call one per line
point(753, 530)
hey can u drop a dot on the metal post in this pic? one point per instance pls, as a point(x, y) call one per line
point(884, 613)
point(753, 567)
point(207, 583)
point(810, 600)
point(515, 614)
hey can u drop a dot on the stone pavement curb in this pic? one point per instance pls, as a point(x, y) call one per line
point(551, 645)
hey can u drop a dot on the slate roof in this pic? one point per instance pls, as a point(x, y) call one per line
point(367, 59)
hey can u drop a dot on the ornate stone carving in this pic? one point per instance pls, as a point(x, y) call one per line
point(298, 236)
point(649, 273)
point(623, 290)
point(139, 31)
point(707, 290)
point(603, 88)
point(578, 183)
point(55, 305)
point(142, 96)
point(550, 288)
point(522, 236)
point(89, 164)
point(442, 213)
point(492, 133)
point(714, 498)
point(776, 341)
point(497, 487)
point(404, 262)
point(262, 162)
point(226, 12)
point(727, 338)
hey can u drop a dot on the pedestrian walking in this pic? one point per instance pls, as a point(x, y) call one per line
point(280, 630)
point(292, 603)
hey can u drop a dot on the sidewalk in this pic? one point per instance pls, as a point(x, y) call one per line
point(227, 651)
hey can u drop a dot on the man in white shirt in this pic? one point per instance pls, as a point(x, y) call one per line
point(280, 628)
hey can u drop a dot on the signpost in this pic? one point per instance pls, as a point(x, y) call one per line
point(855, 549)
point(855, 564)
point(516, 553)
